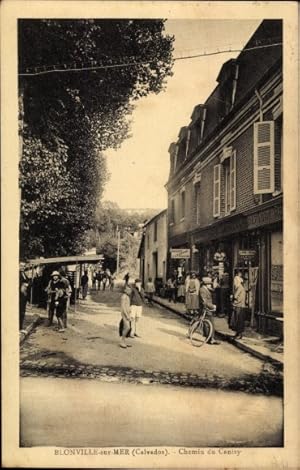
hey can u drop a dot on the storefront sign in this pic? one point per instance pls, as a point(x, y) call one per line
point(266, 217)
point(247, 254)
point(180, 253)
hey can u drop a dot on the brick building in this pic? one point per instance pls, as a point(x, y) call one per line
point(153, 249)
point(225, 182)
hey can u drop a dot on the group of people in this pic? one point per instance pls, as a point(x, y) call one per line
point(196, 293)
point(58, 292)
point(103, 279)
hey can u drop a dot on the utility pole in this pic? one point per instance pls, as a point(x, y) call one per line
point(118, 249)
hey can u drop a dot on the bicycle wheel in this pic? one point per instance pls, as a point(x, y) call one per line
point(201, 332)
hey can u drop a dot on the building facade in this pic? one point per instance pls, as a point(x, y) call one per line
point(225, 193)
point(153, 249)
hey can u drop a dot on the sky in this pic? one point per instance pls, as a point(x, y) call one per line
point(139, 169)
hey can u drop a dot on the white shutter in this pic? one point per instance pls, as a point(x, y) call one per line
point(217, 184)
point(233, 181)
point(264, 157)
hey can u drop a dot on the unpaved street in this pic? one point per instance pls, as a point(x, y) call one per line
point(153, 393)
point(92, 339)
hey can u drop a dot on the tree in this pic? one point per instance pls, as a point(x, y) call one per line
point(70, 118)
point(128, 250)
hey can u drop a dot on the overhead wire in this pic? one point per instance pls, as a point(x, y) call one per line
point(59, 69)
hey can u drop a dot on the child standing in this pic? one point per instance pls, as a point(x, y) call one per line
point(137, 300)
point(125, 314)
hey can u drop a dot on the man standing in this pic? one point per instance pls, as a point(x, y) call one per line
point(68, 289)
point(206, 297)
point(23, 294)
point(237, 321)
point(84, 284)
point(57, 300)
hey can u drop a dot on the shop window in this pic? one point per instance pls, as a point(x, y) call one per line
point(277, 272)
point(264, 175)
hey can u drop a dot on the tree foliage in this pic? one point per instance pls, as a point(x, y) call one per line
point(71, 118)
point(128, 250)
point(109, 219)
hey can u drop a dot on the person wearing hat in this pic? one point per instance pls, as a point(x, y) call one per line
point(67, 285)
point(206, 297)
point(124, 328)
point(57, 300)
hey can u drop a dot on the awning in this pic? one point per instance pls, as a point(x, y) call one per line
point(66, 260)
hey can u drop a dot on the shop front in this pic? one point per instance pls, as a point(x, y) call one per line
point(179, 256)
point(253, 244)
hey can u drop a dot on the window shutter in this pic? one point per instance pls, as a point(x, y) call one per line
point(264, 157)
point(233, 181)
point(217, 184)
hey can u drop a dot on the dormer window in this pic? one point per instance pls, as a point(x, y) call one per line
point(203, 117)
point(188, 140)
point(234, 86)
point(228, 79)
point(175, 158)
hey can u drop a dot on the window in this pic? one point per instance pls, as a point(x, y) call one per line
point(216, 193)
point(202, 126)
point(196, 182)
point(228, 160)
point(172, 211)
point(198, 202)
point(155, 231)
point(227, 186)
point(234, 86)
point(182, 204)
point(264, 178)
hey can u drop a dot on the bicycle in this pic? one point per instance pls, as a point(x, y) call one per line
point(201, 328)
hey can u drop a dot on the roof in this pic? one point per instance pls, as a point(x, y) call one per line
point(155, 217)
point(66, 260)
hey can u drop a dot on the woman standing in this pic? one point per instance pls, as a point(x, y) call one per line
point(192, 294)
point(237, 322)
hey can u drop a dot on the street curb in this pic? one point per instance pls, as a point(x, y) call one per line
point(230, 339)
point(36, 320)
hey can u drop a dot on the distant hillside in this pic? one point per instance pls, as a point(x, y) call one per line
point(147, 212)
